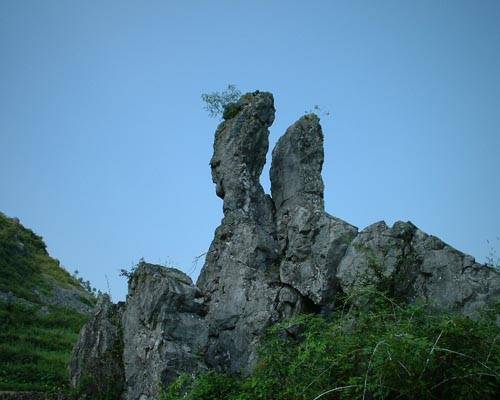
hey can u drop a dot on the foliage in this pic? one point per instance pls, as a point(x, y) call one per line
point(35, 339)
point(128, 272)
point(208, 386)
point(319, 111)
point(97, 387)
point(371, 348)
point(217, 102)
point(493, 259)
point(35, 346)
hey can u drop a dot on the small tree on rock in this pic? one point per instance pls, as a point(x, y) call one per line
point(216, 102)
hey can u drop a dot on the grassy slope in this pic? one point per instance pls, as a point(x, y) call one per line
point(35, 339)
point(35, 347)
point(25, 264)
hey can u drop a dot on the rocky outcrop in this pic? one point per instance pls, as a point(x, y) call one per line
point(96, 367)
point(70, 297)
point(271, 258)
point(132, 349)
point(240, 277)
point(311, 242)
point(32, 278)
point(164, 332)
point(412, 265)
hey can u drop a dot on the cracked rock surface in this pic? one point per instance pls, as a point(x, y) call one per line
point(96, 365)
point(164, 331)
point(241, 277)
point(311, 242)
point(413, 265)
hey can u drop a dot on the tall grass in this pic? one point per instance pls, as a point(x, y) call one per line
point(372, 348)
point(35, 347)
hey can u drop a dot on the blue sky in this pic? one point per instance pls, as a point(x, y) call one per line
point(105, 144)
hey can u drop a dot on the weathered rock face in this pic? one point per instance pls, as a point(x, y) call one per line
point(135, 348)
point(96, 367)
point(240, 149)
point(296, 166)
point(238, 277)
point(270, 259)
point(311, 242)
point(164, 332)
point(413, 265)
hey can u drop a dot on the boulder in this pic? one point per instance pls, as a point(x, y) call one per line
point(164, 333)
point(412, 265)
point(96, 366)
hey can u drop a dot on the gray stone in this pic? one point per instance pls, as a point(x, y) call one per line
point(412, 265)
point(240, 277)
point(164, 330)
point(96, 367)
point(297, 161)
point(311, 242)
point(315, 245)
point(69, 297)
point(240, 148)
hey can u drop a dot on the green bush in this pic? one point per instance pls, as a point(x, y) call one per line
point(222, 103)
point(371, 348)
point(208, 386)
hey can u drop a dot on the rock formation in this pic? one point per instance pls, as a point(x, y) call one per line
point(163, 329)
point(311, 242)
point(413, 265)
point(271, 257)
point(96, 364)
point(240, 277)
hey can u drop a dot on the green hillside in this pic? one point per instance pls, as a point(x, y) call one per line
point(42, 308)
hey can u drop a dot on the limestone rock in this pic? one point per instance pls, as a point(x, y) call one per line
point(164, 333)
point(238, 277)
point(69, 297)
point(413, 265)
point(311, 242)
point(297, 161)
point(240, 148)
point(132, 348)
point(96, 367)
point(315, 245)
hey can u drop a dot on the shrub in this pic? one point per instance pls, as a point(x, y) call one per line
point(216, 102)
point(378, 350)
point(493, 259)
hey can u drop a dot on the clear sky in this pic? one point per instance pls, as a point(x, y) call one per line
point(104, 143)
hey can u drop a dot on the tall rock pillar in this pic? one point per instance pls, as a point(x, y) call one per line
point(240, 277)
point(311, 242)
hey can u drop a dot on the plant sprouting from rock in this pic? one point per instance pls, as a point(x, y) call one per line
point(493, 259)
point(319, 111)
point(216, 102)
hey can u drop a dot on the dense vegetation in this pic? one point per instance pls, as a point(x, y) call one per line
point(35, 346)
point(370, 348)
point(35, 338)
